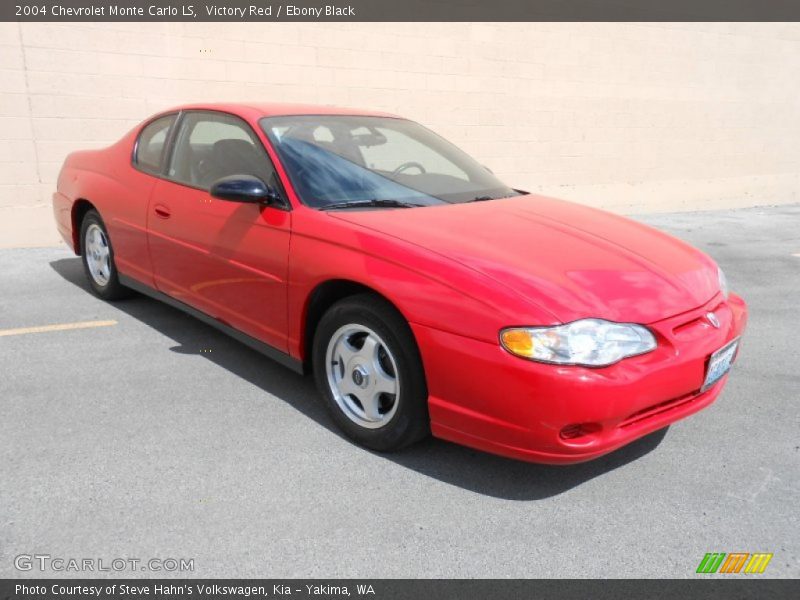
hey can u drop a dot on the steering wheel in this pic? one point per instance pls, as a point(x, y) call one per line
point(201, 172)
point(409, 165)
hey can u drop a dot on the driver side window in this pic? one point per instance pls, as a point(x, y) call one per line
point(214, 145)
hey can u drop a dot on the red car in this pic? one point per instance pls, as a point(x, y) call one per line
point(426, 295)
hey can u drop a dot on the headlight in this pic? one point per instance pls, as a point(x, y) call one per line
point(723, 282)
point(588, 342)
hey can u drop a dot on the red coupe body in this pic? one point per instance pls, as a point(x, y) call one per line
point(458, 273)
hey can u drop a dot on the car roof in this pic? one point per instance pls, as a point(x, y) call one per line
point(256, 110)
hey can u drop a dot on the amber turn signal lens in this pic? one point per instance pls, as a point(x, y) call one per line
point(518, 341)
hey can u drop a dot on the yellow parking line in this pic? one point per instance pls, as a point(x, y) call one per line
point(57, 327)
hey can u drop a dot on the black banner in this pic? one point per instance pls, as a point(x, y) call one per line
point(732, 588)
point(400, 10)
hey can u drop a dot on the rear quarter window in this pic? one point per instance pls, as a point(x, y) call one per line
point(149, 155)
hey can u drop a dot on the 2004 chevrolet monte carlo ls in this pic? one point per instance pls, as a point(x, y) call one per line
point(426, 295)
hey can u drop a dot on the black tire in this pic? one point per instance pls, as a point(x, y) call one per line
point(409, 422)
point(107, 288)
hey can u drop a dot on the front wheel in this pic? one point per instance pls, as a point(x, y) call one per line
point(370, 374)
point(98, 259)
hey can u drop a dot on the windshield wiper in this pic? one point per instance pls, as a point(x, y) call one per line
point(375, 202)
point(485, 198)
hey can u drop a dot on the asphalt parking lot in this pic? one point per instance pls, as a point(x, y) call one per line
point(154, 436)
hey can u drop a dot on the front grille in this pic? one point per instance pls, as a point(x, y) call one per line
point(697, 322)
point(657, 409)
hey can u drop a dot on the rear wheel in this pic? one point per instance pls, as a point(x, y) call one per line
point(370, 374)
point(98, 258)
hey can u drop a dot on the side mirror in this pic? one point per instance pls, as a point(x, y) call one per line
point(243, 188)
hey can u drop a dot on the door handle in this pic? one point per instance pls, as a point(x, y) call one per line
point(162, 211)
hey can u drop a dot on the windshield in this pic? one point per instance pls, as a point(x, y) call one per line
point(376, 161)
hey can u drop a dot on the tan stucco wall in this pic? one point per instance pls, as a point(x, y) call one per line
point(631, 117)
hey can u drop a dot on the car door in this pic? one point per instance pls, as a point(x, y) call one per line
point(227, 259)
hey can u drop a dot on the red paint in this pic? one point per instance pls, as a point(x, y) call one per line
point(458, 273)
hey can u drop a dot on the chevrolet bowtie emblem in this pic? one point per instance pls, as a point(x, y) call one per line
point(712, 318)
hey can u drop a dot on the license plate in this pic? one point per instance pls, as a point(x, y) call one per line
point(720, 363)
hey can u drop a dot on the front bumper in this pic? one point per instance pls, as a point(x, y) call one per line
point(506, 405)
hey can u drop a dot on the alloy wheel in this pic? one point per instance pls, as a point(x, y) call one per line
point(98, 254)
point(362, 376)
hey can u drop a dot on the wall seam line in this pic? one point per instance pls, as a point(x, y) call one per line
point(30, 112)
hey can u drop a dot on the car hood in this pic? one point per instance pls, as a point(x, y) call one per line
point(570, 260)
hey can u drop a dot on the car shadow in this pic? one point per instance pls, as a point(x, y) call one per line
point(456, 465)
